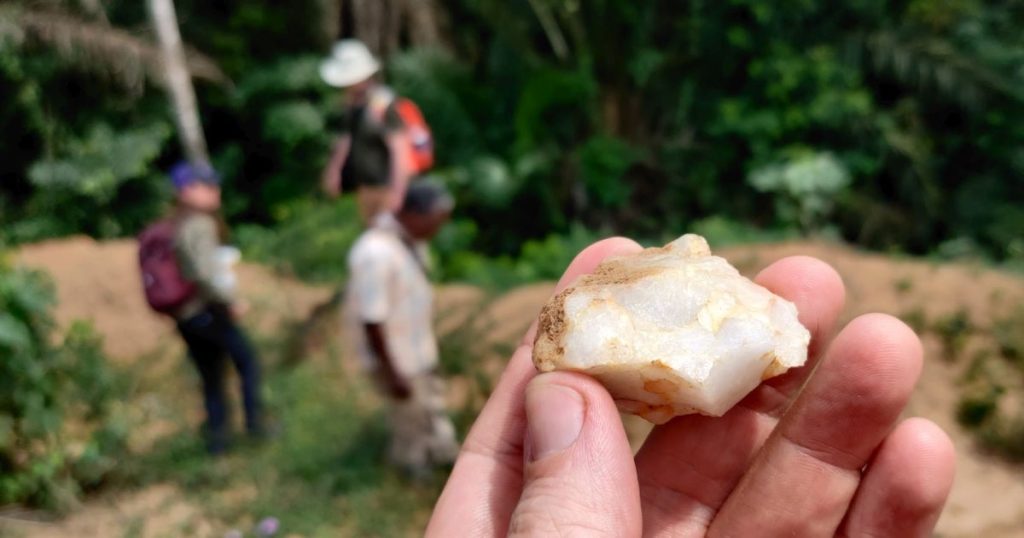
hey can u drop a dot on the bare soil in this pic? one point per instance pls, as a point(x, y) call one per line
point(98, 282)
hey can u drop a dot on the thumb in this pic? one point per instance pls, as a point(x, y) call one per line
point(579, 477)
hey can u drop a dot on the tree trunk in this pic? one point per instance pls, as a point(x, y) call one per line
point(178, 81)
point(95, 9)
point(422, 18)
point(368, 16)
point(393, 16)
point(551, 29)
point(382, 24)
point(331, 20)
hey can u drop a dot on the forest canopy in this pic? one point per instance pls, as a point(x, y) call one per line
point(894, 125)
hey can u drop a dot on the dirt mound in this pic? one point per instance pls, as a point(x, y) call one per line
point(98, 281)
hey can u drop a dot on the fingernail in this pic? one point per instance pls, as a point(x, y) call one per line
point(555, 417)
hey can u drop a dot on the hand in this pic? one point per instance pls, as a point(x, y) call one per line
point(331, 186)
point(330, 179)
point(548, 454)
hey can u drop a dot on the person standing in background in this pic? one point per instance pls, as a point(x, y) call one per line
point(187, 275)
point(390, 317)
point(371, 153)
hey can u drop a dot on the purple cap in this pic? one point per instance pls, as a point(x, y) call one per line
point(185, 173)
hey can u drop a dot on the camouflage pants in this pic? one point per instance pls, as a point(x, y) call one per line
point(422, 435)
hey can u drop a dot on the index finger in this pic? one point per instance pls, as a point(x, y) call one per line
point(486, 482)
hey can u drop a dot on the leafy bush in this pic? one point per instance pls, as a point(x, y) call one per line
point(604, 161)
point(721, 231)
point(974, 410)
point(805, 187)
point(59, 430)
point(102, 184)
point(649, 116)
point(916, 319)
point(1009, 335)
point(997, 423)
point(311, 240)
point(544, 259)
point(953, 331)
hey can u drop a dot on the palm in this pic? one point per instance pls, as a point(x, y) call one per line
point(827, 459)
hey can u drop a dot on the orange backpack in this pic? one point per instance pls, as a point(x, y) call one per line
point(419, 139)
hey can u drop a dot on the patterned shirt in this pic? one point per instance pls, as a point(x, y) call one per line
point(388, 285)
point(197, 249)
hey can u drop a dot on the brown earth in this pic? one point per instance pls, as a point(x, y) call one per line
point(98, 281)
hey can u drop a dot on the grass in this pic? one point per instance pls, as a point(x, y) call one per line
point(325, 474)
point(903, 285)
point(916, 319)
point(987, 379)
point(1009, 335)
point(953, 331)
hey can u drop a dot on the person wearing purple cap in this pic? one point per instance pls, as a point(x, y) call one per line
point(206, 320)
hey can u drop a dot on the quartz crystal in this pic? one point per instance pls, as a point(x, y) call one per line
point(671, 331)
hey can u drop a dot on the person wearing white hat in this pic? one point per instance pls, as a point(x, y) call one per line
point(368, 155)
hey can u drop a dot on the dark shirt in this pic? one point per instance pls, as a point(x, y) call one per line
point(369, 158)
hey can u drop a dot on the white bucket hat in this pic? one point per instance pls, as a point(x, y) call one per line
point(349, 64)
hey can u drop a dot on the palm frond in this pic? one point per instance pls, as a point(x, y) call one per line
point(96, 46)
point(933, 64)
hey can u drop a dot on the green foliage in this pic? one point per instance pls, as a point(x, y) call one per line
point(326, 476)
point(538, 260)
point(310, 241)
point(997, 420)
point(289, 124)
point(102, 184)
point(953, 331)
point(485, 181)
point(453, 103)
point(1009, 336)
point(59, 429)
point(287, 113)
point(892, 124)
point(604, 162)
point(805, 187)
point(916, 319)
point(721, 231)
point(903, 285)
point(976, 409)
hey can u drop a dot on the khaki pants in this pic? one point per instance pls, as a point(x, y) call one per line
point(422, 435)
point(372, 201)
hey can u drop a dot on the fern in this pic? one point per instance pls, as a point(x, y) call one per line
point(47, 383)
point(934, 64)
point(95, 46)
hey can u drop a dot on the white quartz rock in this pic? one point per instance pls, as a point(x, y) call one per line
point(671, 331)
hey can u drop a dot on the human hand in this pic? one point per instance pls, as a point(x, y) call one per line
point(330, 178)
point(819, 451)
point(331, 185)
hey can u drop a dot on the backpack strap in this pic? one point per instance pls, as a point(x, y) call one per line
point(379, 100)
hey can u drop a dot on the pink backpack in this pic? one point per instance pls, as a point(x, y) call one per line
point(165, 288)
